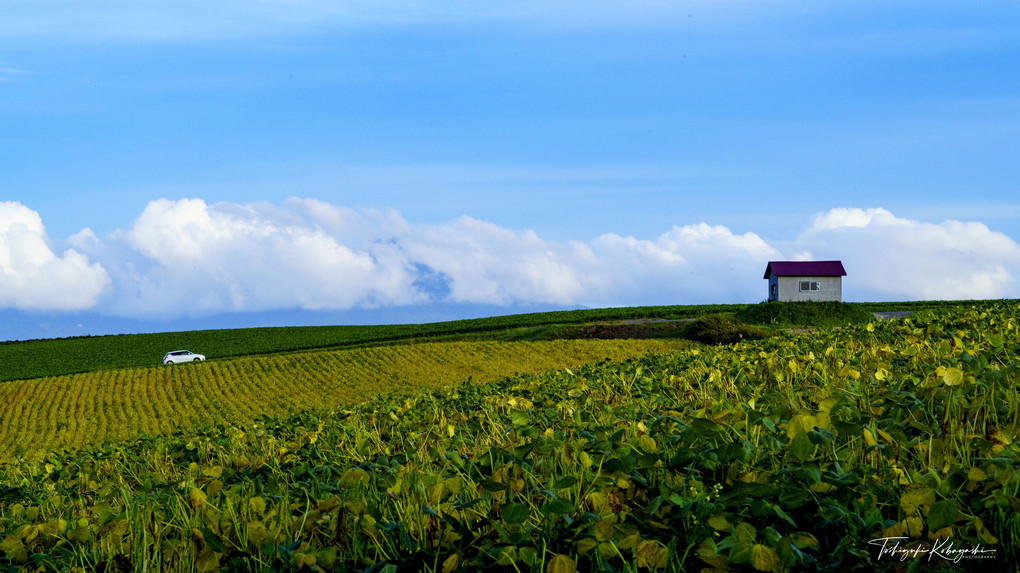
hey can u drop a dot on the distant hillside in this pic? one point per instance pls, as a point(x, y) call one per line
point(58, 356)
point(53, 357)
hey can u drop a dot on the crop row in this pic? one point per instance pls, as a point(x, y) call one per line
point(87, 409)
point(884, 447)
point(54, 357)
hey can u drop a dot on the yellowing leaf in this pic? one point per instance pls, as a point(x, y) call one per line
point(258, 505)
point(647, 443)
point(886, 437)
point(561, 564)
point(719, 523)
point(453, 485)
point(914, 526)
point(983, 532)
point(604, 530)
point(869, 438)
point(803, 540)
point(827, 404)
point(745, 533)
point(764, 558)
point(207, 560)
point(326, 558)
point(953, 377)
point(584, 459)
point(708, 552)
point(608, 550)
point(917, 497)
point(196, 497)
point(801, 423)
point(651, 554)
point(897, 529)
point(15, 550)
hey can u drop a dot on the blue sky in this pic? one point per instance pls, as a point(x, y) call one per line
point(193, 158)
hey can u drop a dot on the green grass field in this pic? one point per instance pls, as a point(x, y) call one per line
point(53, 357)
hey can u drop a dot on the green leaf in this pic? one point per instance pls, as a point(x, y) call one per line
point(326, 558)
point(490, 485)
point(513, 513)
point(212, 540)
point(745, 533)
point(801, 447)
point(558, 505)
point(565, 482)
point(942, 514)
point(519, 418)
point(783, 515)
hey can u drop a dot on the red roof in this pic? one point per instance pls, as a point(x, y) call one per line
point(805, 269)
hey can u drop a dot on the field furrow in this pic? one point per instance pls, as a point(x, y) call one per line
point(88, 409)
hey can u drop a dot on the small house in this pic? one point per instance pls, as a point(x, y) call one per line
point(805, 280)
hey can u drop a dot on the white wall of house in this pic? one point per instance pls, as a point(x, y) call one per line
point(805, 288)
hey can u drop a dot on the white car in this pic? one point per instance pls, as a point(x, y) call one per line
point(182, 356)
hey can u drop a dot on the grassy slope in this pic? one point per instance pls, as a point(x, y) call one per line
point(53, 357)
point(87, 409)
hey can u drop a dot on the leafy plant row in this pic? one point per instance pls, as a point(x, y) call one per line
point(82, 410)
point(54, 357)
point(801, 453)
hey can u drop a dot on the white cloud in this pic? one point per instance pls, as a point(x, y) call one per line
point(689, 264)
point(32, 276)
point(851, 217)
point(187, 257)
point(203, 259)
point(889, 257)
point(8, 74)
point(486, 263)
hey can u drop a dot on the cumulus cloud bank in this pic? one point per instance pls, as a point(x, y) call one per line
point(896, 258)
point(186, 257)
point(32, 276)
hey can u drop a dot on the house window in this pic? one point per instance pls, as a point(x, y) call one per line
point(808, 285)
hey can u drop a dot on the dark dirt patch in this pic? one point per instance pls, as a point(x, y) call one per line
point(626, 330)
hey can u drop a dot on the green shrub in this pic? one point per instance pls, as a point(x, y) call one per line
point(721, 329)
point(808, 313)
